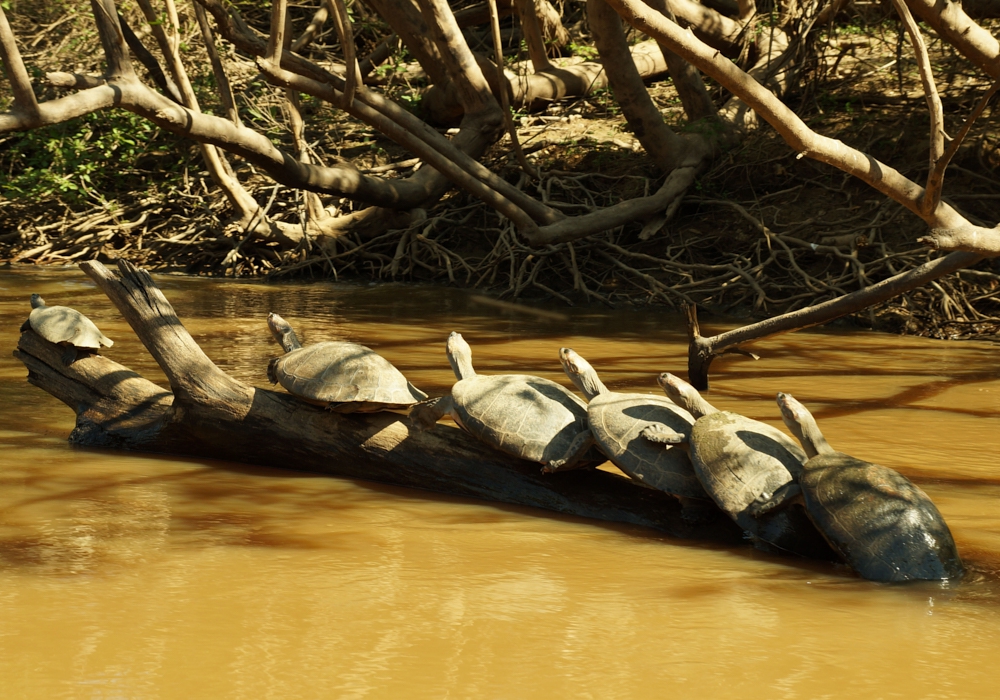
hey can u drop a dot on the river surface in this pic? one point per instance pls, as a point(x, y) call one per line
point(126, 575)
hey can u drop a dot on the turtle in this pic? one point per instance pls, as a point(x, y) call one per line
point(344, 377)
point(884, 526)
point(524, 416)
point(742, 462)
point(616, 424)
point(65, 326)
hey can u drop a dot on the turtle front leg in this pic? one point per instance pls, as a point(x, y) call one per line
point(782, 496)
point(426, 413)
point(71, 355)
point(581, 443)
point(663, 434)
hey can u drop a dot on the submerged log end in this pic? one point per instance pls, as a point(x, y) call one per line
point(700, 356)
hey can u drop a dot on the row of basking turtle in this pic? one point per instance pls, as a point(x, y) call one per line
point(810, 500)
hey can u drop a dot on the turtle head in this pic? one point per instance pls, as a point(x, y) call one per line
point(36, 301)
point(460, 356)
point(283, 332)
point(581, 373)
point(803, 426)
point(684, 395)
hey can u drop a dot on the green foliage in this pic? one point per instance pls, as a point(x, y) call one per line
point(605, 99)
point(78, 160)
point(587, 53)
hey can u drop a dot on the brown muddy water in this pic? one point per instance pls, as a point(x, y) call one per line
point(136, 576)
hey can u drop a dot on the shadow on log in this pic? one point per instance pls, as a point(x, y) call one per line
point(208, 414)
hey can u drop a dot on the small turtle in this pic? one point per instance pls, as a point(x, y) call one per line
point(616, 424)
point(344, 377)
point(65, 326)
point(883, 525)
point(524, 416)
point(742, 462)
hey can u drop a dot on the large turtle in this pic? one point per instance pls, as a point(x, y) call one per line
point(344, 377)
point(616, 424)
point(65, 326)
point(524, 416)
point(883, 525)
point(742, 462)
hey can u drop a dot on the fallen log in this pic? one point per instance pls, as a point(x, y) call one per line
point(208, 414)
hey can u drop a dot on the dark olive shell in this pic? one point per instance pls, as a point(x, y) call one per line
point(525, 416)
point(617, 421)
point(883, 525)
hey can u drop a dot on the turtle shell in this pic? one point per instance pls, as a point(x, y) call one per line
point(883, 525)
point(524, 416)
point(61, 324)
point(344, 373)
point(617, 421)
point(739, 459)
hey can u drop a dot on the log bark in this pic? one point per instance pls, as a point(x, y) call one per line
point(208, 414)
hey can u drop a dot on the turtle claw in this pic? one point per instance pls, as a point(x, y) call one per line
point(553, 466)
point(660, 433)
point(767, 502)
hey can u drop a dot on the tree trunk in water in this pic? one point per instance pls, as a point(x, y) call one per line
point(210, 415)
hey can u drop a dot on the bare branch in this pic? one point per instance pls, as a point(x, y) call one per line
point(344, 30)
point(24, 96)
point(397, 133)
point(975, 239)
point(276, 39)
point(687, 80)
point(63, 109)
point(748, 8)
point(503, 85)
point(321, 83)
point(75, 80)
point(935, 179)
point(314, 27)
point(950, 21)
point(147, 59)
point(530, 29)
point(666, 148)
point(703, 350)
point(792, 129)
point(218, 70)
point(931, 195)
point(625, 212)
point(112, 39)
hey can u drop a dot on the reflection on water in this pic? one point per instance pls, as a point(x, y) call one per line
point(136, 576)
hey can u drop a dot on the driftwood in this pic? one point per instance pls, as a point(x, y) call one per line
point(206, 413)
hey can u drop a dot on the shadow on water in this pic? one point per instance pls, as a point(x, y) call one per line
point(229, 319)
point(218, 503)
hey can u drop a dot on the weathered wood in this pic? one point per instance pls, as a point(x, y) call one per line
point(209, 414)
